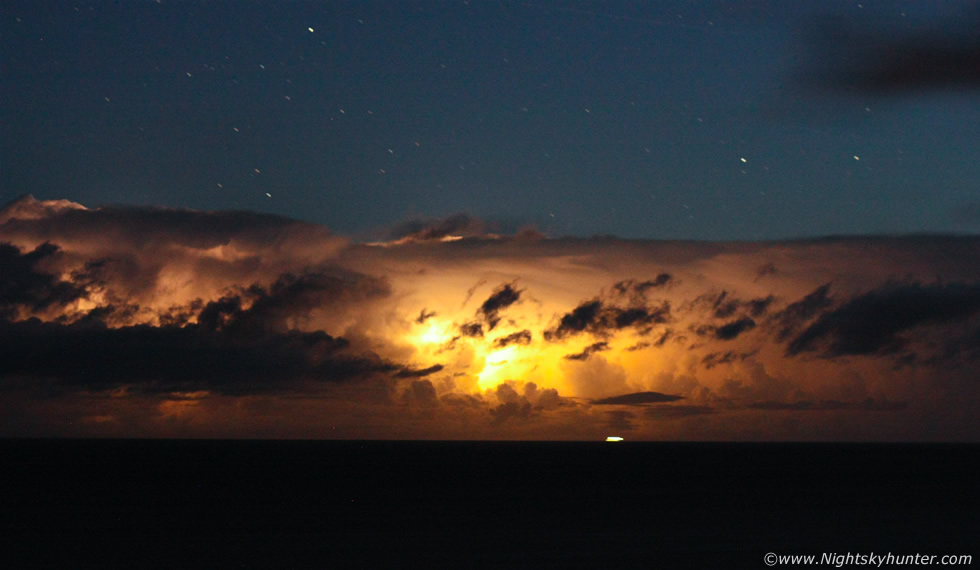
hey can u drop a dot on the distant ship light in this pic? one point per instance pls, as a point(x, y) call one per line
point(614, 438)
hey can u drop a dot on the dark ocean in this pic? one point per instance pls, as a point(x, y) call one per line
point(311, 504)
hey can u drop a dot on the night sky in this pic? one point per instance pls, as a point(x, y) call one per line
point(490, 220)
point(667, 120)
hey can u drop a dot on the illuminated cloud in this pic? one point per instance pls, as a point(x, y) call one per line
point(112, 318)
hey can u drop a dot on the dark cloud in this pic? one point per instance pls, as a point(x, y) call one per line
point(143, 227)
point(522, 338)
point(724, 305)
point(731, 330)
point(667, 335)
point(473, 330)
point(418, 373)
point(24, 286)
point(576, 321)
point(764, 270)
point(424, 316)
point(798, 313)
point(758, 307)
point(634, 288)
point(472, 290)
point(637, 399)
point(243, 342)
point(870, 323)
point(290, 299)
point(881, 61)
point(433, 230)
point(293, 296)
point(163, 359)
point(502, 297)
point(715, 358)
point(588, 351)
point(600, 319)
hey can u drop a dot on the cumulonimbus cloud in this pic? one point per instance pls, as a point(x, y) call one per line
point(261, 317)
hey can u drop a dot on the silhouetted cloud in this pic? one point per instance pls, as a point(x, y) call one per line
point(142, 227)
point(634, 288)
point(233, 312)
point(502, 297)
point(731, 330)
point(588, 351)
point(472, 330)
point(153, 359)
point(576, 321)
point(418, 373)
point(424, 316)
point(637, 399)
point(870, 324)
point(799, 312)
point(600, 319)
point(520, 337)
point(23, 285)
point(460, 225)
point(289, 298)
point(715, 358)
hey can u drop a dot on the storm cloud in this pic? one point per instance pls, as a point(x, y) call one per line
point(168, 318)
point(872, 323)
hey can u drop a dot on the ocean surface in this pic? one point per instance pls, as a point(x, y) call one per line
point(365, 504)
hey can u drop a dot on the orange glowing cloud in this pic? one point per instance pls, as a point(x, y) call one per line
point(162, 322)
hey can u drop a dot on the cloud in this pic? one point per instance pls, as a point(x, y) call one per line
point(636, 399)
point(799, 312)
point(578, 320)
point(410, 373)
point(588, 351)
point(715, 358)
point(144, 358)
point(521, 337)
point(421, 393)
point(424, 316)
point(620, 420)
point(26, 288)
point(282, 328)
point(881, 61)
point(871, 323)
point(601, 319)
point(471, 329)
point(731, 330)
point(457, 225)
point(502, 297)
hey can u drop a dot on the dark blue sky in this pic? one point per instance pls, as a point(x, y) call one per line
point(676, 120)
